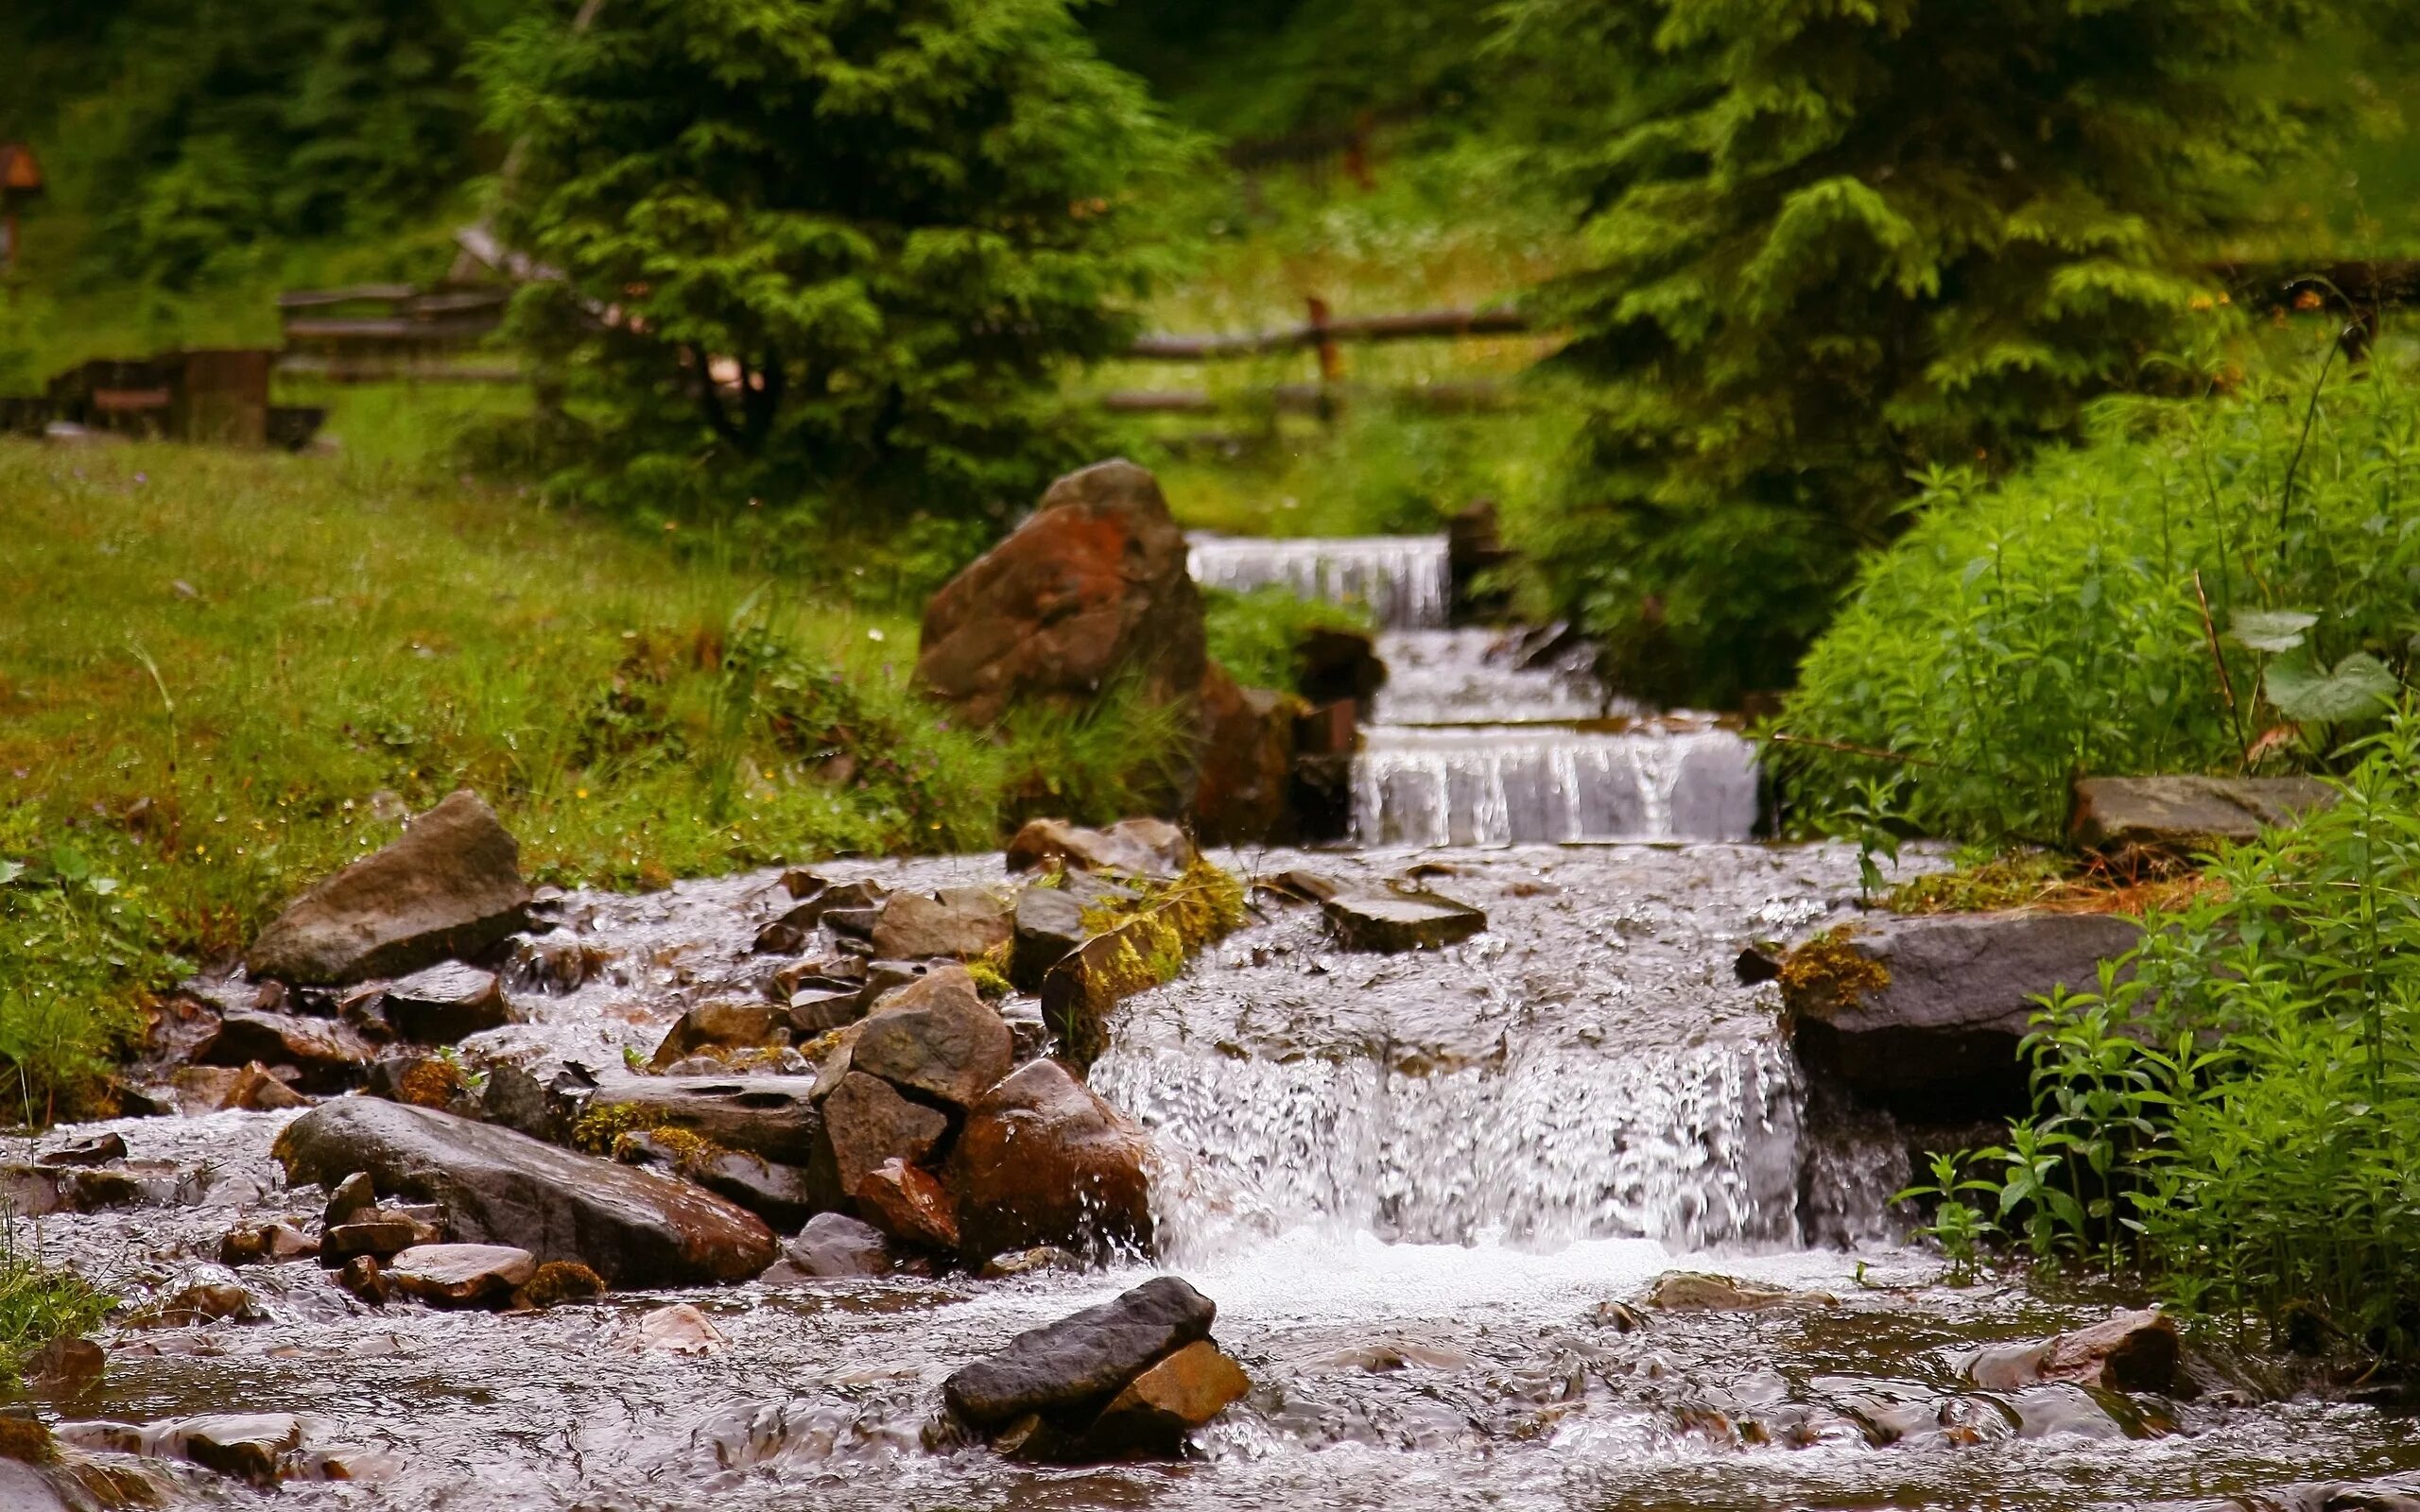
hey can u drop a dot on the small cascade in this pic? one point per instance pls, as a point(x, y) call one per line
point(1544, 784)
point(1407, 581)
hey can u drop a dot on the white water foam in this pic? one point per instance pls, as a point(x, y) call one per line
point(1407, 581)
point(1516, 784)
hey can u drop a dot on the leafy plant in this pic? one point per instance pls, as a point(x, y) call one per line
point(1255, 635)
point(1960, 1227)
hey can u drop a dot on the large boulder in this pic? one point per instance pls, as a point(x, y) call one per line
point(2181, 815)
point(1924, 1015)
point(635, 1227)
point(1073, 1368)
point(450, 886)
point(1090, 589)
point(1243, 787)
point(935, 1037)
point(1044, 1160)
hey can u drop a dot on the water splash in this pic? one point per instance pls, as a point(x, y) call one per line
point(1407, 581)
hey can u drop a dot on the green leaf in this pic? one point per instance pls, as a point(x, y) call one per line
point(11, 871)
point(2270, 630)
point(2361, 687)
point(69, 863)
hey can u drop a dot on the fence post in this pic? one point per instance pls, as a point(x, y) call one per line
point(1331, 357)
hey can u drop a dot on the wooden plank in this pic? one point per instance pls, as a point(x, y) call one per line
point(1413, 326)
point(390, 329)
point(360, 293)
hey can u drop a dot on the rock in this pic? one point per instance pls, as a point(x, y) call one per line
point(424, 1081)
point(1158, 1408)
point(2180, 816)
point(1697, 1292)
point(868, 1122)
point(556, 1283)
point(96, 1149)
point(1028, 1263)
point(1091, 588)
point(1072, 1368)
point(834, 1245)
point(2065, 1410)
point(450, 886)
point(65, 1366)
point(365, 1279)
point(914, 927)
point(274, 1242)
point(349, 1200)
point(1395, 921)
point(1048, 926)
point(205, 1302)
point(678, 1330)
point(460, 1275)
point(771, 1116)
point(905, 1202)
point(1298, 885)
point(782, 1196)
point(24, 1489)
point(1079, 992)
point(1619, 1316)
point(250, 1446)
point(634, 1227)
point(722, 1024)
point(200, 1090)
point(855, 923)
point(514, 1099)
point(330, 1053)
point(1243, 787)
point(1139, 848)
point(818, 1012)
point(935, 1037)
point(802, 884)
point(1042, 1160)
point(1923, 1015)
point(2129, 1351)
point(447, 1004)
point(376, 1233)
point(256, 1090)
point(36, 1191)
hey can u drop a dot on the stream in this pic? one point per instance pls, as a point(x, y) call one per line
point(1415, 1185)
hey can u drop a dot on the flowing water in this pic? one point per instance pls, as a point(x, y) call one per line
point(1414, 1185)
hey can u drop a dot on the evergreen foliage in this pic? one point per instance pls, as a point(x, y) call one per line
point(1830, 245)
point(830, 252)
point(2053, 624)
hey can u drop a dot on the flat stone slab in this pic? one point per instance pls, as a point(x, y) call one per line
point(1393, 921)
point(2190, 814)
point(460, 1274)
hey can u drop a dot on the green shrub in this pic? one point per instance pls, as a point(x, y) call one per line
point(827, 257)
point(2053, 625)
point(2237, 1117)
point(39, 1303)
point(1254, 635)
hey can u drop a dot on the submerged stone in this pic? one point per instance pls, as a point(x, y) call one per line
point(1395, 921)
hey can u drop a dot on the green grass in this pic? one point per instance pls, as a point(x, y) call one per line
point(39, 1303)
point(212, 663)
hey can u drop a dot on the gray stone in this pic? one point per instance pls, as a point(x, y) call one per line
point(1406, 920)
point(1049, 926)
point(460, 1275)
point(98, 1149)
point(1924, 1015)
point(447, 1004)
point(771, 1116)
point(935, 1037)
point(450, 886)
point(833, 1245)
point(515, 1099)
point(820, 1011)
point(2181, 815)
point(1074, 1366)
point(961, 927)
point(634, 1227)
point(782, 1196)
point(870, 1123)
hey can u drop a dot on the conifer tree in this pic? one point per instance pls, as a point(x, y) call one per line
point(1830, 243)
point(822, 253)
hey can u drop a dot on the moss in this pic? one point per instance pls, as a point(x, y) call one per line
point(2050, 881)
point(1828, 971)
point(991, 974)
point(558, 1281)
point(431, 1083)
point(687, 1145)
point(601, 1126)
point(26, 1439)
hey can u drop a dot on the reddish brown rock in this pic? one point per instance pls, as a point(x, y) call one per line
point(870, 1123)
point(460, 1275)
point(1144, 848)
point(721, 1025)
point(1168, 1401)
point(450, 886)
point(1042, 1160)
point(1093, 587)
point(963, 923)
point(1244, 776)
point(905, 1202)
point(329, 1054)
point(2129, 1351)
point(937, 1036)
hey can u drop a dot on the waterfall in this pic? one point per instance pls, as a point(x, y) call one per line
point(1407, 581)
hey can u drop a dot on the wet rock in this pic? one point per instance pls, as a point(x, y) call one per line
point(822, 1011)
point(1395, 921)
point(260, 1091)
point(678, 1330)
point(1298, 885)
point(515, 1099)
point(1070, 1368)
point(771, 1116)
point(1755, 965)
point(935, 1037)
point(35, 1191)
point(2181, 816)
point(349, 1200)
point(907, 1203)
point(1032, 1262)
point(1244, 767)
point(1619, 1316)
point(330, 1053)
point(802, 884)
point(424, 1081)
point(834, 1245)
point(1079, 992)
point(558, 964)
point(782, 1196)
point(250, 1446)
point(1158, 1408)
point(962, 925)
point(200, 1090)
point(65, 1366)
point(1698, 1292)
point(1042, 1160)
point(1090, 589)
point(450, 886)
point(1923, 1015)
point(24, 1489)
point(365, 1279)
point(96, 1149)
point(868, 1122)
point(556, 1283)
point(269, 1243)
point(634, 1227)
point(2065, 1410)
point(725, 1025)
point(460, 1275)
point(2128, 1352)
point(1049, 926)
point(1140, 848)
point(377, 1233)
point(445, 1005)
point(203, 1302)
